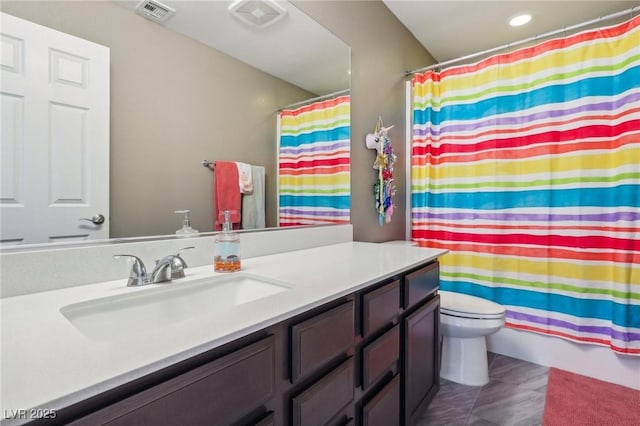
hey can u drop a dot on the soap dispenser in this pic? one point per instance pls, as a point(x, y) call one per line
point(186, 229)
point(226, 248)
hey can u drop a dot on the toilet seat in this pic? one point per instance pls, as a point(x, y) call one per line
point(465, 306)
point(450, 313)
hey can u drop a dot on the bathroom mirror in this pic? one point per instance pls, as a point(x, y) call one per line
point(174, 101)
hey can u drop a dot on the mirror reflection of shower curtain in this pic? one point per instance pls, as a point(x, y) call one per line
point(314, 163)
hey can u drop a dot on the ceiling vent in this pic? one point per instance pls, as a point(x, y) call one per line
point(257, 13)
point(154, 10)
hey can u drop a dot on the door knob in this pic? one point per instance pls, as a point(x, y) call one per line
point(97, 219)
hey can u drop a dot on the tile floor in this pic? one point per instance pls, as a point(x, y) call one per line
point(514, 396)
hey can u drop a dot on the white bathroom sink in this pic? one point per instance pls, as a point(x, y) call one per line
point(115, 317)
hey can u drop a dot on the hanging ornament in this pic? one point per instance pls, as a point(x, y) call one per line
point(383, 188)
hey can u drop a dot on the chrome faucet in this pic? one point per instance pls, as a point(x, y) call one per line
point(168, 268)
point(161, 272)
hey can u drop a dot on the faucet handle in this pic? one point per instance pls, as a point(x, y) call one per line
point(138, 273)
point(184, 264)
point(178, 264)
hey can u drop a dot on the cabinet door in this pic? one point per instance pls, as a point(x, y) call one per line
point(421, 361)
point(380, 307)
point(321, 402)
point(218, 393)
point(266, 421)
point(384, 408)
point(380, 355)
point(317, 340)
point(420, 284)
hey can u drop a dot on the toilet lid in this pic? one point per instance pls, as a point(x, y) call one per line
point(463, 305)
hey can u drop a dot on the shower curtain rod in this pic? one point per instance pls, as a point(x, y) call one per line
point(328, 95)
point(527, 40)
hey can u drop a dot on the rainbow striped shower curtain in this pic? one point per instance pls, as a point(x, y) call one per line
point(313, 165)
point(526, 166)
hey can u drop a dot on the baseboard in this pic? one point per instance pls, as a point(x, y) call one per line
point(588, 360)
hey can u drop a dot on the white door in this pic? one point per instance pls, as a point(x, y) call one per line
point(55, 135)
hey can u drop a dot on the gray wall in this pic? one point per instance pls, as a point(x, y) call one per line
point(174, 103)
point(382, 49)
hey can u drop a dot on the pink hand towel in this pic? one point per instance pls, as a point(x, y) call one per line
point(226, 193)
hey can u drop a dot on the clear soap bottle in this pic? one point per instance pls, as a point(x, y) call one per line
point(186, 229)
point(226, 250)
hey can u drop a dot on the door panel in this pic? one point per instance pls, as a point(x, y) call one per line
point(421, 359)
point(221, 392)
point(55, 135)
point(317, 405)
point(318, 340)
point(384, 408)
point(12, 147)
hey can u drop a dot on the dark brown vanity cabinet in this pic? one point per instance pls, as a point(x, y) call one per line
point(321, 338)
point(323, 401)
point(380, 307)
point(420, 285)
point(384, 408)
point(401, 364)
point(379, 352)
point(380, 356)
point(222, 392)
point(367, 358)
point(421, 358)
point(322, 390)
point(421, 341)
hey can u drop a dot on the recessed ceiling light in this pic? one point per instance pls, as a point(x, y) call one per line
point(521, 19)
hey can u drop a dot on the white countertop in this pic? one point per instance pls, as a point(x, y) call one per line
point(47, 363)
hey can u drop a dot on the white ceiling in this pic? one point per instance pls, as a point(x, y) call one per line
point(299, 50)
point(452, 29)
point(296, 48)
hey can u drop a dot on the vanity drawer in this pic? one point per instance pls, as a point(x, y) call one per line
point(380, 306)
point(266, 421)
point(319, 339)
point(384, 408)
point(220, 392)
point(323, 400)
point(421, 283)
point(379, 355)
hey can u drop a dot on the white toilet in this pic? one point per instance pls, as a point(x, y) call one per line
point(464, 322)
